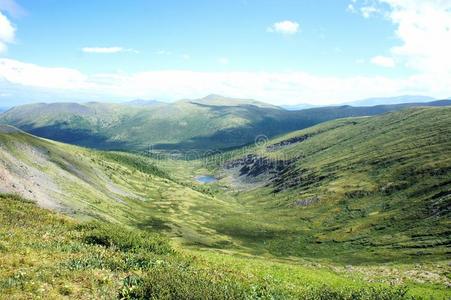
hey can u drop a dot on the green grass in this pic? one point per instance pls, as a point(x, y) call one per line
point(381, 184)
point(45, 254)
point(135, 162)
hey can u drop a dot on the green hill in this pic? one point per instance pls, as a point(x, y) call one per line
point(357, 189)
point(210, 123)
point(109, 186)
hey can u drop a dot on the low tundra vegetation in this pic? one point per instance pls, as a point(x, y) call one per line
point(48, 255)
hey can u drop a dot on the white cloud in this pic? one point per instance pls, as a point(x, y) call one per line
point(20, 78)
point(383, 61)
point(7, 32)
point(424, 28)
point(30, 75)
point(106, 50)
point(223, 60)
point(284, 27)
point(368, 11)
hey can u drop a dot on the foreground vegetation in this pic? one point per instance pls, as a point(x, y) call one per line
point(47, 255)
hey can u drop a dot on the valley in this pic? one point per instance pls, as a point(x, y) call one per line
point(340, 204)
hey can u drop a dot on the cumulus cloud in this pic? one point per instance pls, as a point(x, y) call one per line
point(7, 32)
point(383, 61)
point(106, 50)
point(423, 29)
point(284, 27)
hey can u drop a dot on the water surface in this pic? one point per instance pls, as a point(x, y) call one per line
point(205, 179)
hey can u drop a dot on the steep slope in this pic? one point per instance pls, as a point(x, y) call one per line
point(358, 189)
point(115, 187)
point(210, 123)
point(55, 175)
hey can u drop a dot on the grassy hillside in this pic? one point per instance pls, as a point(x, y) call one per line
point(111, 186)
point(361, 189)
point(47, 255)
point(213, 122)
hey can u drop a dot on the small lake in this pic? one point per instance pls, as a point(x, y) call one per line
point(205, 179)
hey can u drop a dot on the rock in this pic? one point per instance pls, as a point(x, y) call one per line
point(357, 194)
point(287, 142)
point(307, 201)
point(253, 165)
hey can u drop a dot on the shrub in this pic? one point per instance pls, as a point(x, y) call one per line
point(180, 282)
point(136, 162)
point(344, 293)
point(124, 239)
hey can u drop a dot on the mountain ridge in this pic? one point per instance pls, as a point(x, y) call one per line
point(209, 123)
point(370, 102)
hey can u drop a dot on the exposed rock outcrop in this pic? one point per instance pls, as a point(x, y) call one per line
point(287, 142)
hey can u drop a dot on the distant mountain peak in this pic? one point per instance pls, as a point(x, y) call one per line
point(219, 100)
point(213, 96)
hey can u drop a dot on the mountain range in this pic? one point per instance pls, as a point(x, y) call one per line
point(392, 100)
point(210, 123)
point(370, 102)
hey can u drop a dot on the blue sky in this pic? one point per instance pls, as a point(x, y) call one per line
point(283, 52)
point(329, 42)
